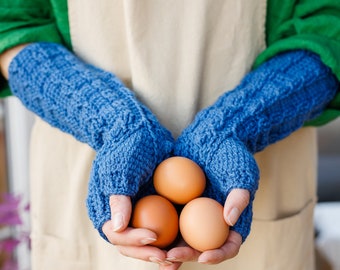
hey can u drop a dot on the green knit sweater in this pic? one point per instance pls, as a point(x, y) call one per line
point(291, 24)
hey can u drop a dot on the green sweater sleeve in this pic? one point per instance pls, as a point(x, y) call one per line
point(25, 21)
point(306, 24)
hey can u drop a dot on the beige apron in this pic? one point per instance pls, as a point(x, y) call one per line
point(178, 56)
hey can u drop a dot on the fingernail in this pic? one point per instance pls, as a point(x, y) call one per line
point(166, 263)
point(117, 222)
point(159, 261)
point(147, 241)
point(202, 261)
point(233, 216)
point(172, 259)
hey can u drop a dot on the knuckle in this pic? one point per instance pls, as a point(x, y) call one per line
point(243, 196)
point(123, 251)
point(114, 201)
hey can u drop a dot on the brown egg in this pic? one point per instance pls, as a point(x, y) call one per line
point(179, 179)
point(202, 224)
point(158, 215)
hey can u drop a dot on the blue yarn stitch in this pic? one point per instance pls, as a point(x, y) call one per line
point(269, 104)
point(96, 108)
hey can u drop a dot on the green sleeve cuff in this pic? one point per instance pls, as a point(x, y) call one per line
point(21, 24)
point(5, 91)
point(306, 25)
point(329, 52)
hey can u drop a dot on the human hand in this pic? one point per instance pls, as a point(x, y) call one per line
point(183, 253)
point(229, 168)
point(269, 104)
point(123, 167)
point(134, 242)
point(237, 199)
point(96, 108)
point(131, 242)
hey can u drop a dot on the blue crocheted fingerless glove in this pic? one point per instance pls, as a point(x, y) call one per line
point(96, 108)
point(270, 103)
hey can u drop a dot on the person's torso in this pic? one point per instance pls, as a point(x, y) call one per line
point(178, 56)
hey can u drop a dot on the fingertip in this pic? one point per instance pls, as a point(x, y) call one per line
point(148, 240)
point(232, 217)
point(121, 208)
point(117, 222)
point(236, 202)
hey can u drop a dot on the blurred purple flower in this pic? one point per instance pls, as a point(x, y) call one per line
point(10, 265)
point(9, 210)
point(8, 245)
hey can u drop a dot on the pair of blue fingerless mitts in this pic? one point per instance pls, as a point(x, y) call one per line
point(96, 108)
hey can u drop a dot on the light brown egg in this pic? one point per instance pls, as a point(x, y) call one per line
point(179, 179)
point(202, 224)
point(158, 215)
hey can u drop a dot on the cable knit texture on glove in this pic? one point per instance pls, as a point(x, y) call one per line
point(269, 104)
point(96, 108)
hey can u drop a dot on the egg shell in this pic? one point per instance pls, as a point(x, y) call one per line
point(179, 179)
point(202, 224)
point(159, 215)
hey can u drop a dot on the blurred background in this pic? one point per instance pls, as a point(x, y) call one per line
point(327, 212)
point(15, 125)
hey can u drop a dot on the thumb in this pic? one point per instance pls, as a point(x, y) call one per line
point(236, 202)
point(121, 209)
